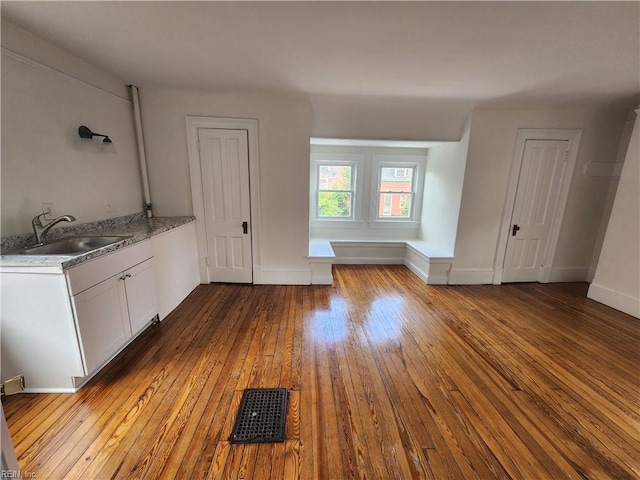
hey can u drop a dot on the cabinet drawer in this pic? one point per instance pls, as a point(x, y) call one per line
point(95, 271)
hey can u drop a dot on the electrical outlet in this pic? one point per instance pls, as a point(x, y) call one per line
point(107, 205)
point(49, 210)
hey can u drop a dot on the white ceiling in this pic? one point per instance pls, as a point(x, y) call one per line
point(467, 53)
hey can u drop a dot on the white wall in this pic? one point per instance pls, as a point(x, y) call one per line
point(491, 151)
point(443, 193)
point(612, 177)
point(283, 136)
point(43, 158)
point(617, 279)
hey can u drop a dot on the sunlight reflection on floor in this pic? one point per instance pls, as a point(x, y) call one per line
point(385, 322)
point(381, 323)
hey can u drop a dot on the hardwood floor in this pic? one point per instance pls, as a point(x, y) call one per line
point(388, 378)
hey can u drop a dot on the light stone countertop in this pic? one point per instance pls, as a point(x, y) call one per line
point(136, 227)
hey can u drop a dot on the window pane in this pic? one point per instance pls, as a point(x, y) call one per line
point(396, 179)
point(334, 204)
point(334, 177)
point(394, 205)
point(386, 204)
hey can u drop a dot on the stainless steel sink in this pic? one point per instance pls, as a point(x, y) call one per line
point(68, 246)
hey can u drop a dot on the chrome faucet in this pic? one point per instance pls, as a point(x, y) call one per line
point(40, 231)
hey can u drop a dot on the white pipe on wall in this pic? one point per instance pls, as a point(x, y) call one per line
point(141, 153)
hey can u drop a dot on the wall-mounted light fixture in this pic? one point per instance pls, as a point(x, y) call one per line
point(85, 132)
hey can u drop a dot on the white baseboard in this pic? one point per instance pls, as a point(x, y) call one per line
point(419, 270)
point(471, 276)
point(272, 276)
point(49, 390)
point(322, 280)
point(569, 274)
point(592, 274)
point(368, 253)
point(435, 279)
point(619, 301)
point(368, 261)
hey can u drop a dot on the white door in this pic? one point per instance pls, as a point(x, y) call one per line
point(543, 165)
point(224, 163)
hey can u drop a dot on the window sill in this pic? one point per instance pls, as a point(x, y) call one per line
point(337, 223)
point(393, 224)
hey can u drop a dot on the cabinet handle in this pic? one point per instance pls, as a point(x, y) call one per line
point(125, 276)
point(128, 275)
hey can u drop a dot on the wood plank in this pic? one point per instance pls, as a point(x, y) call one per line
point(82, 424)
point(172, 390)
point(387, 377)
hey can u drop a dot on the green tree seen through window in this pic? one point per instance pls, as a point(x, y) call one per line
point(335, 191)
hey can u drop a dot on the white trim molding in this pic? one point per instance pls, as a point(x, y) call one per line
point(278, 276)
point(374, 252)
point(357, 163)
point(619, 301)
point(569, 274)
point(524, 134)
point(193, 124)
point(59, 73)
point(471, 276)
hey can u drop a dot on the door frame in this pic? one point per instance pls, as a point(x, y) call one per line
point(8, 454)
point(194, 123)
point(524, 134)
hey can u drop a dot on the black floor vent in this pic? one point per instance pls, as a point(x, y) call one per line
point(261, 416)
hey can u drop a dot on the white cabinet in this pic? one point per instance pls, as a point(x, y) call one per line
point(114, 298)
point(103, 321)
point(176, 264)
point(110, 313)
point(39, 337)
point(142, 301)
point(59, 327)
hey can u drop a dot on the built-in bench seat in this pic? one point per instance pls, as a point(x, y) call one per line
point(321, 257)
point(430, 264)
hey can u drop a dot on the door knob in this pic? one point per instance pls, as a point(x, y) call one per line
point(514, 230)
point(245, 227)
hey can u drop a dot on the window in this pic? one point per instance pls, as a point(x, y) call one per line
point(335, 190)
point(396, 190)
point(362, 190)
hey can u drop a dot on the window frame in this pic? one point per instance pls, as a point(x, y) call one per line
point(418, 165)
point(356, 163)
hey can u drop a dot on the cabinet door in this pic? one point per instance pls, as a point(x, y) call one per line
point(175, 256)
point(103, 321)
point(141, 295)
